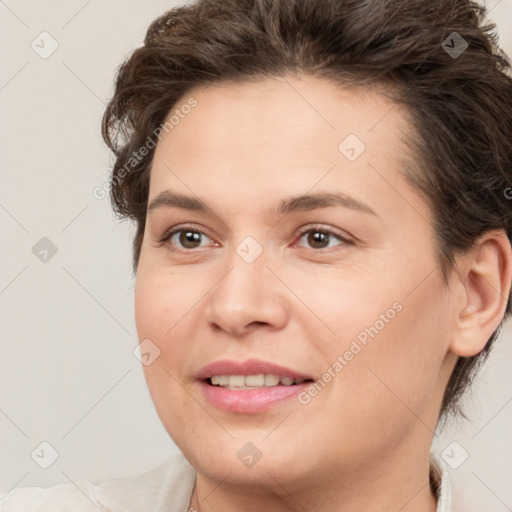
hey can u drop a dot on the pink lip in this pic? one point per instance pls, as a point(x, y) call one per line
point(248, 367)
point(249, 400)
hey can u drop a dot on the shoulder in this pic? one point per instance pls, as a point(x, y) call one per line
point(57, 497)
point(167, 487)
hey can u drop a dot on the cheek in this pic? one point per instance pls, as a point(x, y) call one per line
point(163, 299)
point(163, 306)
point(387, 351)
point(344, 306)
point(409, 363)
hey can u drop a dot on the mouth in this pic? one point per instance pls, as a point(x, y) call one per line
point(251, 386)
point(257, 381)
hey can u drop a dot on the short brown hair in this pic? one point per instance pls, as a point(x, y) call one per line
point(460, 104)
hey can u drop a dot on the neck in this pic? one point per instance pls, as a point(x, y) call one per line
point(397, 482)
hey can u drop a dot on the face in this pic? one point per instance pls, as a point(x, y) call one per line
point(284, 246)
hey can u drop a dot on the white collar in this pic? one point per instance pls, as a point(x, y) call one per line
point(168, 488)
point(440, 482)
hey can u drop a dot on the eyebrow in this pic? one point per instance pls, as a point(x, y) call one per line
point(300, 203)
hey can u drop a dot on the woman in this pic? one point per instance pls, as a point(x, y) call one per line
point(322, 252)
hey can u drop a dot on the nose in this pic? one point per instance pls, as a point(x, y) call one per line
point(249, 295)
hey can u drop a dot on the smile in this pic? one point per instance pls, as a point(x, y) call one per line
point(253, 381)
point(250, 386)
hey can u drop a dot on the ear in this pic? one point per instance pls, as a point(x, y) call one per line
point(485, 274)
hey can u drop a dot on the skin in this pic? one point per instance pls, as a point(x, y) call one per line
point(363, 442)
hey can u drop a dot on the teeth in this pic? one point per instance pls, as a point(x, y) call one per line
point(236, 381)
point(271, 380)
point(252, 381)
point(255, 380)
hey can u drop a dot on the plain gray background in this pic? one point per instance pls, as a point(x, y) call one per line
point(68, 374)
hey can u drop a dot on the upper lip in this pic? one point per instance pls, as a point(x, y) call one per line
point(248, 367)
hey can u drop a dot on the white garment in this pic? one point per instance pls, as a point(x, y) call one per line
point(166, 488)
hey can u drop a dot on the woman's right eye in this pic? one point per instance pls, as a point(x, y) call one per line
point(185, 239)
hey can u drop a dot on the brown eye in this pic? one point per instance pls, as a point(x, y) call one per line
point(186, 239)
point(189, 239)
point(318, 239)
point(322, 239)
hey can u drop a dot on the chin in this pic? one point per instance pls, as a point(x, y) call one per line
point(240, 461)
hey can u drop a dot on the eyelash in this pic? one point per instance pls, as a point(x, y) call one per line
point(315, 229)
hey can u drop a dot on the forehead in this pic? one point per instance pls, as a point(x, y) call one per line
point(286, 134)
point(283, 115)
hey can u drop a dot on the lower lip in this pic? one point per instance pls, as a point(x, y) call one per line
point(250, 400)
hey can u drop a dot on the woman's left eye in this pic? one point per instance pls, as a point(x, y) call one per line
point(322, 238)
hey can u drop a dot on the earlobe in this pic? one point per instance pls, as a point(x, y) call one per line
point(486, 274)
